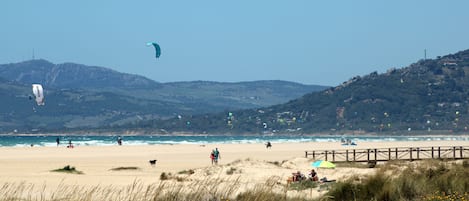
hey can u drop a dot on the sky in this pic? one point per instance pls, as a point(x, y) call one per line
point(304, 41)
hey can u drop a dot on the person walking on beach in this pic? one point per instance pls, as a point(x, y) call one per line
point(119, 140)
point(217, 155)
point(212, 156)
point(58, 141)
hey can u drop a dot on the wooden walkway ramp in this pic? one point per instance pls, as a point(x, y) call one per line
point(387, 154)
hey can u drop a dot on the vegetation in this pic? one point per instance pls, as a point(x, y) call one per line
point(165, 176)
point(231, 171)
point(68, 169)
point(124, 168)
point(428, 96)
point(82, 97)
point(302, 185)
point(188, 172)
point(431, 180)
point(423, 180)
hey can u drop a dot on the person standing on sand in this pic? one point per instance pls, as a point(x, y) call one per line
point(58, 141)
point(119, 140)
point(212, 156)
point(217, 155)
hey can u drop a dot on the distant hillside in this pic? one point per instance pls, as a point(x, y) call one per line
point(202, 96)
point(79, 96)
point(70, 75)
point(429, 95)
point(69, 109)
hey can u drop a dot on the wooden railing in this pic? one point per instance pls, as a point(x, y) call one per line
point(387, 154)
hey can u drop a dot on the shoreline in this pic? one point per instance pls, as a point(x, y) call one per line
point(247, 135)
point(149, 140)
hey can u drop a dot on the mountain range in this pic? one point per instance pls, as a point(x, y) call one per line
point(429, 96)
point(87, 97)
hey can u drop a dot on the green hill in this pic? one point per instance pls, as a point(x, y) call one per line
point(86, 97)
point(428, 95)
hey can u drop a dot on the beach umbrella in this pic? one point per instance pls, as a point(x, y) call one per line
point(322, 164)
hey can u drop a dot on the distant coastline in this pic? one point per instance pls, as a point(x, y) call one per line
point(49, 140)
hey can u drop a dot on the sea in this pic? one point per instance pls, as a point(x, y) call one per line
point(111, 140)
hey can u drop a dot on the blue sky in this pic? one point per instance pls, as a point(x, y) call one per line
point(305, 41)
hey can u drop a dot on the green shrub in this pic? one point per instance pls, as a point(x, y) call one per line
point(124, 168)
point(410, 183)
point(231, 171)
point(189, 172)
point(302, 185)
point(68, 169)
point(164, 176)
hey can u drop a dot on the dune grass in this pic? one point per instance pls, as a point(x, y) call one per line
point(209, 190)
point(68, 169)
point(188, 172)
point(426, 180)
point(124, 168)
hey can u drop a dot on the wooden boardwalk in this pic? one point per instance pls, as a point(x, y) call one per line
point(387, 154)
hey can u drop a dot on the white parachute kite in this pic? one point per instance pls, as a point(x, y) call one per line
point(39, 94)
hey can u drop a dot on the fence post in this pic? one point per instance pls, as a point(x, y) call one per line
point(460, 152)
point(397, 157)
point(368, 154)
point(418, 153)
point(326, 154)
point(454, 153)
point(389, 154)
point(433, 157)
point(314, 155)
point(346, 155)
point(439, 156)
point(333, 155)
point(376, 154)
point(410, 154)
point(354, 159)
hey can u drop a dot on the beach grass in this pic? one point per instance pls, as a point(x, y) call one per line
point(208, 189)
point(124, 168)
point(425, 180)
point(430, 180)
point(188, 172)
point(67, 169)
point(302, 185)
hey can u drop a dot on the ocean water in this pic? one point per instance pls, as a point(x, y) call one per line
point(111, 140)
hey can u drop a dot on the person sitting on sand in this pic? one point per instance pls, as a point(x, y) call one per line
point(313, 176)
point(70, 145)
point(268, 145)
point(298, 176)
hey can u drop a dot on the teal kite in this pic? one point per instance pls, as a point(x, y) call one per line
point(157, 49)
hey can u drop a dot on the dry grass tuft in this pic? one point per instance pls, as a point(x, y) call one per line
point(124, 168)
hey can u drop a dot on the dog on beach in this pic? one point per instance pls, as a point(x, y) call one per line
point(153, 162)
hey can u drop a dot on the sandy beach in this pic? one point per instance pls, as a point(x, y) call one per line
point(252, 162)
